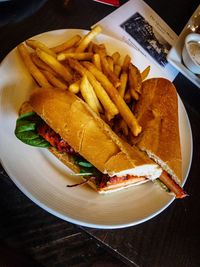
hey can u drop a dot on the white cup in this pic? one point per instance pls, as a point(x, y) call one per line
point(191, 52)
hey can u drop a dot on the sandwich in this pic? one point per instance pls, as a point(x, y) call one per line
point(76, 135)
point(157, 113)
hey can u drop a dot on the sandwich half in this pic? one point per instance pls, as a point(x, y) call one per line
point(157, 113)
point(76, 135)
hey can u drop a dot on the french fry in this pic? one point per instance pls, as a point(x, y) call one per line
point(66, 45)
point(55, 65)
point(79, 56)
point(84, 67)
point(88, 94)
point(102, 95)
point(34, 71)
point(97, 61)
point(88, 38)
point(108, 117)
point(127, 97)
point(37, 44)
point(40, 64)
point(108, 72)
point(126, 63)
point(134, 94)
point(117, 70)
point(75, 87)
point(99, 48)
point(135, 81)
point(115, 56)
point(90, 47)
point(110, 63)
point(122, 87)
point(145, 73)
point(69, 50)
point(69, 69)
point(124, 110)
point(102, 47)
point(54, 81)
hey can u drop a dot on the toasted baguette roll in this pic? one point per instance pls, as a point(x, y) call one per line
point(68, 160)
point(91, 137)
point(157, 113)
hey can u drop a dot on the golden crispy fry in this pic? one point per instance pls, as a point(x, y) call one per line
point(69, 50)
point(55, 65)
point(88, 38)
point(115, 56)
point(117, 69)
point(102, 47)
point(122, 87)
point(88, 94)
point(96, 79)
point(66, 45)
point(135, 81)
point(134, 94)
point(110, 63)
point(99, 48)
point(97, 61)
point(124, 110)
point(108, 72)
point(70, 70)
point(145, 73)
point(102, 95)
point(126, 63)
point(40, 64)
point(34, 71)
point(54, 80)
point(37, 44)
point(79, 56)
point(90, 47)
point(127, 97)
point(75, 87)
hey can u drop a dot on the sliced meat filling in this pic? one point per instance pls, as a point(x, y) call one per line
point(54, 139)
point(103, 180)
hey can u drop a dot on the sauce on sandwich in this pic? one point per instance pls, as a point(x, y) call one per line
point(54, 139)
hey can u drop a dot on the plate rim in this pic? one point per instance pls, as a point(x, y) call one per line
point(78, 222)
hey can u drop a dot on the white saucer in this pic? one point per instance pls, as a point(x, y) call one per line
point(175, 54)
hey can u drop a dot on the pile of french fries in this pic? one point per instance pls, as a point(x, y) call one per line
point(109, 84)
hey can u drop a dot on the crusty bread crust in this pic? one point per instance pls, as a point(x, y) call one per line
point(157, 113)
point(64, 157)
point(87, 133)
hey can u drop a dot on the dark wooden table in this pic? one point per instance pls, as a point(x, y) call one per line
point(32, 237)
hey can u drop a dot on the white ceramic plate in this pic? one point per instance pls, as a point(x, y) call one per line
point(175, 54)
point(43, 178)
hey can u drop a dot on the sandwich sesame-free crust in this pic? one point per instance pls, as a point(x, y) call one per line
point(89, 135)
point(157, 113)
